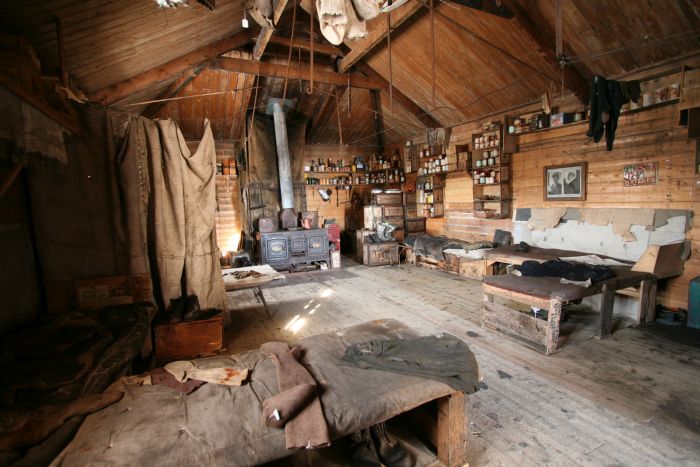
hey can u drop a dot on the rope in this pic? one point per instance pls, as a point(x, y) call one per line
point(289, 57)
point(310, 88)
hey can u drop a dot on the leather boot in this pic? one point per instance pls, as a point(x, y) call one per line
point(391, 452)
point(362, 453)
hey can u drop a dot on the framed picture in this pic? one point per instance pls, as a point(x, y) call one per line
point(645, 173)
point(565, 182)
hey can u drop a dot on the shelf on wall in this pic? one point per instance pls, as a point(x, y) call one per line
point(325, 172)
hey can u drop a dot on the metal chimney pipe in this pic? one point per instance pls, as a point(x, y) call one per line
point(283, 162)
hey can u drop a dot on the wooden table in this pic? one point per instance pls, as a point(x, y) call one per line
point(267, 276)
point(549, 294)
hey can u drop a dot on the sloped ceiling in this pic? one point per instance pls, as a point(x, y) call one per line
point(484, 63)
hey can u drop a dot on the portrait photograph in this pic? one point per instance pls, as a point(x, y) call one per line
point(565, 182)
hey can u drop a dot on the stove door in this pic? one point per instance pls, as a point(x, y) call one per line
point(318, 244)
point(276, 249)
point(298, 245)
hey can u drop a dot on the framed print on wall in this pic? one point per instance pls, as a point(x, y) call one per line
point(565, 182)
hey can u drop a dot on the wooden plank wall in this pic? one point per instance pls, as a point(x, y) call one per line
point(646, 136)
point(649, 135)
point(339, 203)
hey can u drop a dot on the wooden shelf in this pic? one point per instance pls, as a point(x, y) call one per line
point(326, 172)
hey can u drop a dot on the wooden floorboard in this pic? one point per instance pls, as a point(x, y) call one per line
point(630, 399)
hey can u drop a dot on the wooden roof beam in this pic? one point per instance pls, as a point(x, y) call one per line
point(266, 32)
point(274, 70)
point(172, 91)
point(540, 31)
point(123, 89)
point(403, 100)
point(377, 33)
point(303, 44)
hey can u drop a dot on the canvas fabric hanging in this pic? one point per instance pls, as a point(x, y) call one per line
point(169, 202)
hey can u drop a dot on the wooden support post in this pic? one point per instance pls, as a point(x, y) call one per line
point(553, 323)
point(452, 430)
point(647, 301)
point(606, 311)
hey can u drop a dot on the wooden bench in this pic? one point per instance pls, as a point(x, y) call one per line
point(547, 293)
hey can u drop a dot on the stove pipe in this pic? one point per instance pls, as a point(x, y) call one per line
point(288, 217)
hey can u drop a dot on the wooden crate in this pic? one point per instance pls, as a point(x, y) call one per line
point(393, 211)
point(373, 216)
point(466, 267)
point(191, 339)
point(387, 198)
point(380, 254)
point(475, 268)
point(414, 225)
point(360, 236)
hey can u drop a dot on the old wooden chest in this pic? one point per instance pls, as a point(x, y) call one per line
point(360, 241)
point(380, 254)
point(384, 199)
point(190, 339)
point(466, 267)
point(415, 225)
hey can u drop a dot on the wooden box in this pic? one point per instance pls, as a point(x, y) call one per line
point(191, 339)
point(380, 254)
point(393, 211)
point(360, 236)
point(387, 198)
point(414, 225)
point(113, 290)
point(373, 216)
point(466, 267)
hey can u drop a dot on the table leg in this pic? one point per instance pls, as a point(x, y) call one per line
point(647, 301)
point(553, 323)
point(606, 312)
point(452, 425)
point(257, 291)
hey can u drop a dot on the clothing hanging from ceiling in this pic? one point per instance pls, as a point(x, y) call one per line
point(167, 201)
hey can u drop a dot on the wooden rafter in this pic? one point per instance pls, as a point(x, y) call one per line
point(173, 90)
point(121, 90)
point(377, 34)
point(404, 101)
point(266, 33)
point(319, 48)
point(544, 35)
point(275, 70)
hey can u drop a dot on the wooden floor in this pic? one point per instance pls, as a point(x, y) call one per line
point(631, 399)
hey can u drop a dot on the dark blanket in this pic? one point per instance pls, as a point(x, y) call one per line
point(431, 247)
point(567, 270)
point(446, 359)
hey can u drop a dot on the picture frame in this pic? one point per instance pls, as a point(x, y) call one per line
point(566, 182)
point(643, 173)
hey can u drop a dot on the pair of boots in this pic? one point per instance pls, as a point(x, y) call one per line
point(372, 446)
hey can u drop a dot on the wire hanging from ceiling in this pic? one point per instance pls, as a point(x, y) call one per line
point(289, 57)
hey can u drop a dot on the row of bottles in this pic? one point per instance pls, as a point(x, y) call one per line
point(434, 165)
point(372, 178)
point(339, 165)
point(382, 162)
